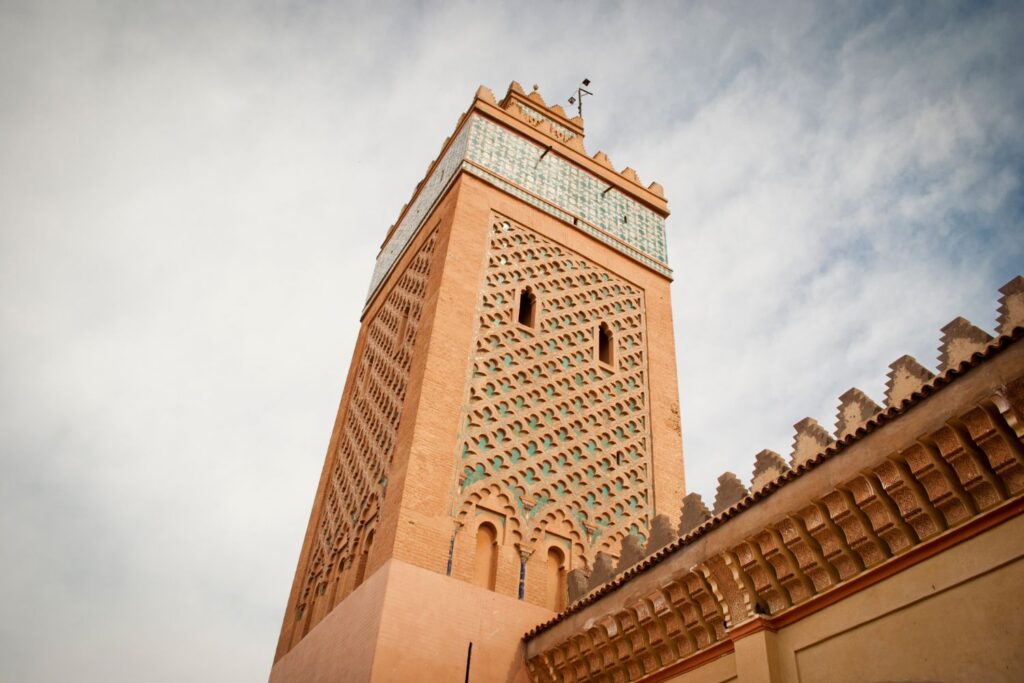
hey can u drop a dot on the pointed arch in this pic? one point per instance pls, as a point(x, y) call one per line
point(526, 308)
point(363, 559)
point(605, 344)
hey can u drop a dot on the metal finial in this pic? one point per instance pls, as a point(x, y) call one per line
point(577, 99)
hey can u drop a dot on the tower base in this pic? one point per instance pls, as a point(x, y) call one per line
point(405, 623)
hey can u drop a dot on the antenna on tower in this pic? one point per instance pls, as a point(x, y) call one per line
point(577, 99)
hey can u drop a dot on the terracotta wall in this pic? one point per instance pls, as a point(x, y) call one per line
point(420, 493)
point(953, 618)
point(415, 523)
point(410, 624)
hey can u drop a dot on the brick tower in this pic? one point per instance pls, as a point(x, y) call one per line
point(510, 410)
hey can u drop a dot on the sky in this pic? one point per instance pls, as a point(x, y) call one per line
point(192, 196)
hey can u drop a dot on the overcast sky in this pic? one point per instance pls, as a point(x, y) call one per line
point(191, 200)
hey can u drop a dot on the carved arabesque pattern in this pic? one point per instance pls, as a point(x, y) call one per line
point(901, 499)
point(358, 476)
point(550, 434)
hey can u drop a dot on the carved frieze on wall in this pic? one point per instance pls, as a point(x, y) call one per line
point(972, 467)
point(358, 475)
point(556, 425)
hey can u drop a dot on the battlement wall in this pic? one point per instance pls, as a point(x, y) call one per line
point(942, 464)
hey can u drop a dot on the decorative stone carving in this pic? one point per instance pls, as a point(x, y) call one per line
point(1011, 305)
point(602, 158)
point(603, 572)
point(578, 584)
point(630, 174)
point(898, 501)
point(906, 376)
point(810, 439)
point(694, 513)
point(960, 340)
point(348, 516)
point(486, 94)
point(768, 465)
point(855, 409)
point(730, 491)
point(662, 533)
point(631, 552)
point(564, 438)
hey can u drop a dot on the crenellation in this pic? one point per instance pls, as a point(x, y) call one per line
point(900, 500)
point(693, 513)
point(810, 440)
point(602, 158)
point(768, 466)
point(662, 533)
point(577, 584)
point(604, 570)
point(486, 94)
point(536, 97)
point(855, 409)
point(730, 491)
point(960, 341)
point(906, 377)
point(630, 174)
point(537, 434)
point(1011, 306)
point(631, 552)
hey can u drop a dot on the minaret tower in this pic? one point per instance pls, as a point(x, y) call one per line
point(511, 408)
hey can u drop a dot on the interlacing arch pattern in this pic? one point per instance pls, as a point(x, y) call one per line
point(357, 480)
point(546, 424)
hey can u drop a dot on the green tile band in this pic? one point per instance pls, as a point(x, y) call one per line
point(566, 191)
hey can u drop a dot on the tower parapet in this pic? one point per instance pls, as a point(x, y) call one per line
point(534, 152)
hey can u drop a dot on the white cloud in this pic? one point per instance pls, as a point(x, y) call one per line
point(193, 198)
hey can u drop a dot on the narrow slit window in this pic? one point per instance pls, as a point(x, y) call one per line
point(363, 558)
point(605, 345)
point(527, 308)
point(556, 583)
point(485, 570)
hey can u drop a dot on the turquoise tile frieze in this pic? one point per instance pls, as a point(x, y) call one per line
point(514, 164)
point(424, 202)
point(567, 186)
point(557, 213)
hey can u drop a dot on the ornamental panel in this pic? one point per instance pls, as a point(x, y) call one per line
point(358, 475)
point(551, 433)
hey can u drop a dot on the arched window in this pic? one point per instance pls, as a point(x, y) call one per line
point(335, 588)
point(605, 345)
point(363, 557)
point(485, 568)
point(555, 575)
point(527, 308)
